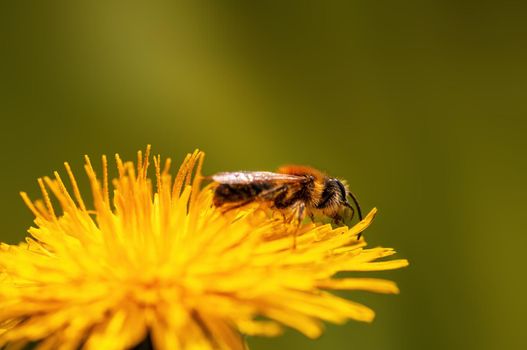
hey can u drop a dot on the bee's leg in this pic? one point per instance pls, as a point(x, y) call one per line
point(301, 214)
point(299, 211)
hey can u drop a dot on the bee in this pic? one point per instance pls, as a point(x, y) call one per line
point(300, 189)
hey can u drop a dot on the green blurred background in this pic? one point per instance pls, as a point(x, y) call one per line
point(421, 105)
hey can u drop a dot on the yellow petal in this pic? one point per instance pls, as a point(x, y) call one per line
point(369, 284)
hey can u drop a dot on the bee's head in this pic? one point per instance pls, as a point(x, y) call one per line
point(344, 193)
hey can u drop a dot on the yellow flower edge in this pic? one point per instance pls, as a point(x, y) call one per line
point(153, 257)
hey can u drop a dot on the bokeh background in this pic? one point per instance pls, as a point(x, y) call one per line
point(421, 105)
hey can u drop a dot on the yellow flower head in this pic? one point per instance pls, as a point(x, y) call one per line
point(155, 259)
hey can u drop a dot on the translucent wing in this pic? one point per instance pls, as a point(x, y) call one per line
point(245, 177)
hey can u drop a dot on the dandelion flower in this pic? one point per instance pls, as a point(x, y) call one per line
point(153, 259)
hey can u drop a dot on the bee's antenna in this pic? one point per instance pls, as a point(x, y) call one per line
point(354, 198)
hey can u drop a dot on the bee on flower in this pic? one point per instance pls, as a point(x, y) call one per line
point(152, 260)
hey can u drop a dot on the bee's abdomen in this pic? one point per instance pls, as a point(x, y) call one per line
point(229, 193)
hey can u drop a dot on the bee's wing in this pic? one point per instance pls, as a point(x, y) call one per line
point(244, 177)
